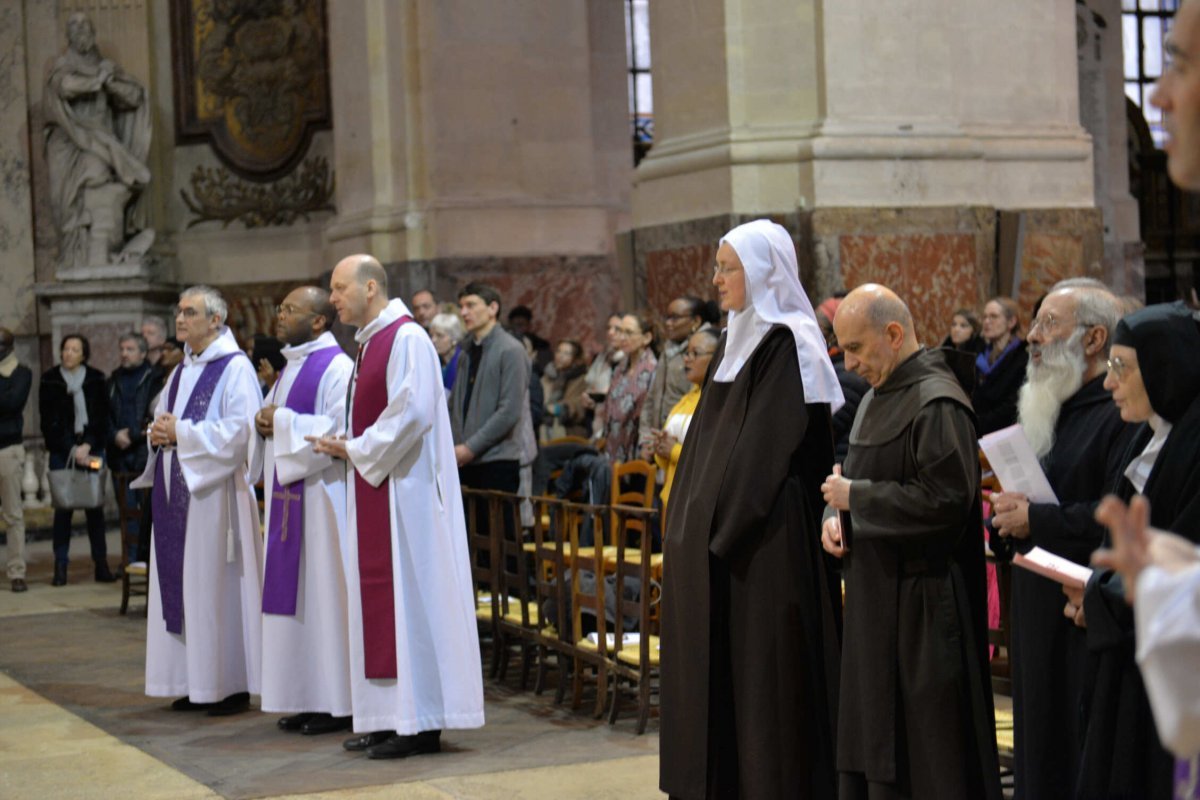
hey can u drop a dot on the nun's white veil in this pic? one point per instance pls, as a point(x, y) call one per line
point(774, 296)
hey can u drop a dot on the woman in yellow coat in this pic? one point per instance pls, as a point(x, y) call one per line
point(668, 443)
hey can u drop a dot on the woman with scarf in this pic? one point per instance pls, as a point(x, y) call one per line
point(73, 405)
point(749, 633)
point(1000, 369)
point(1154, 376)
point(564, 384)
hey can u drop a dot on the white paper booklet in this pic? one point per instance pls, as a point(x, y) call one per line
point(1056, 568)
point(1013, 461)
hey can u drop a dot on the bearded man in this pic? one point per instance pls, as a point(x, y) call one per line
point(1079, 437)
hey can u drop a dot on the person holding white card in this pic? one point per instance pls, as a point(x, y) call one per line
point(1154, 376)
point(1079, 439)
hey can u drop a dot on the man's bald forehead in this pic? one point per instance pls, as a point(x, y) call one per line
point(878, 306)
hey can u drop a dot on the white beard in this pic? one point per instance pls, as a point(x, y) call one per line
point(1047, 386)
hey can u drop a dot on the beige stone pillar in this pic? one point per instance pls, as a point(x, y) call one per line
point(888, 136)
point(483, 140)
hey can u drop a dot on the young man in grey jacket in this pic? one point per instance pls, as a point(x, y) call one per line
point(488, 395)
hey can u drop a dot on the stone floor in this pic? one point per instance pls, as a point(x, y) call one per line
point(75, 724)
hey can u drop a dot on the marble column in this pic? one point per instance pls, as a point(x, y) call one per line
point(484, 141)
point(874, 131)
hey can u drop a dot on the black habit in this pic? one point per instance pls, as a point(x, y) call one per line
point(1122, 754)
point(916, 717)
point(1049, 654)
point(995, 396)
point(749, 641)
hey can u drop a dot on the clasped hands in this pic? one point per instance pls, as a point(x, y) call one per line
point(334, 446)
point(162, 430)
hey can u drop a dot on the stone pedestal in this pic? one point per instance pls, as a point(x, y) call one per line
point(104, 308)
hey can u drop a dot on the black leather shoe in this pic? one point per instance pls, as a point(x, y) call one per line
point(325, 723)
point(405, 746)
point(103, 575)
point(367, 740)
point(294, 722)
point(18, 585)
point(185, 704)
point(60, 574)
point(234, 704)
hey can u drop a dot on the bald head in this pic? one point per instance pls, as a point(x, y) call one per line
point(358, 289)
point(875, 331)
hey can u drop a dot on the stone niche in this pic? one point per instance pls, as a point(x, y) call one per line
point(937, 259)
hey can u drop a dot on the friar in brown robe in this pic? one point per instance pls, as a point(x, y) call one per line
point(916, 717)
point(749, 636)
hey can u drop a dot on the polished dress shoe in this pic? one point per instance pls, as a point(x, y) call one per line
point(294, 722)
point(234, 704)
point(405, 746)
point(185, 704)
point(367, 740)
point(103, 575)
point(60, 574)
point(325, 723)
point(18, 585)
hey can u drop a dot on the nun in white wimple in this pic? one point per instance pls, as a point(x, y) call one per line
point(749, 644)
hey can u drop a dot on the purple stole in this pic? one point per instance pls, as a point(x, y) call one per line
point(373, 510)
point(170, 518)
point(281, 577)
point(1187, 778)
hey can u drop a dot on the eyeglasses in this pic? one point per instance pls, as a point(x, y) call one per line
point(185, 312)
point(1119, 368)
point(291, 311)
point(725, 272)
point(1048, 323)
point(694, 354)
point(676, 317)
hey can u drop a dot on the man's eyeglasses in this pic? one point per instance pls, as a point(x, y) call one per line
point(292, 311)
point(185, 311)
point(1048, 324)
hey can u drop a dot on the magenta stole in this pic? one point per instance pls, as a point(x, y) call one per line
point(373, 507)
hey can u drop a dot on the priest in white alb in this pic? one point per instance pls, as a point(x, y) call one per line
point(414, 648)
point(306, 649)
point(203, 631)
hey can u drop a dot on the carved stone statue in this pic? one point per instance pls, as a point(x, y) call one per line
point(97, 142)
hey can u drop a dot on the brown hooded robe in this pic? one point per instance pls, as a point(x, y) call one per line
point(749, 637)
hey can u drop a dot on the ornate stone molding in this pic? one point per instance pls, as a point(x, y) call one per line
point(219, 196)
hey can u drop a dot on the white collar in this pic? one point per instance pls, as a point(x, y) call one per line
point(394, 310)
point(300, 352)
point(223, 345)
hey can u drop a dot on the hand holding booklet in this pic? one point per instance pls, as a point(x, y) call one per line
point(1056, 568)
point(1013, 461)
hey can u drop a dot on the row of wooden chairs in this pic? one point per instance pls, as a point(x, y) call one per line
point(536, 590)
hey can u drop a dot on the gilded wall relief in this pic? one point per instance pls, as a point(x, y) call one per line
point(219, 196)
point(251, 78)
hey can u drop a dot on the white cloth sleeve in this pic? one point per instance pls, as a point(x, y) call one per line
point(1167, 610)
point(212, 450)
point(409, 414)
point(294, 456)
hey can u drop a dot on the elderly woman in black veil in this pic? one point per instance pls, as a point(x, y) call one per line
point(1154, 376)
point(749, 632)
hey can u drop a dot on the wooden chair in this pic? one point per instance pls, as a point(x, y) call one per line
point(635, 663)
point(554, 520)
point(623, 493)
point(585, 651)
point(135, 575)
point(517, 621)
point(480, 549)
